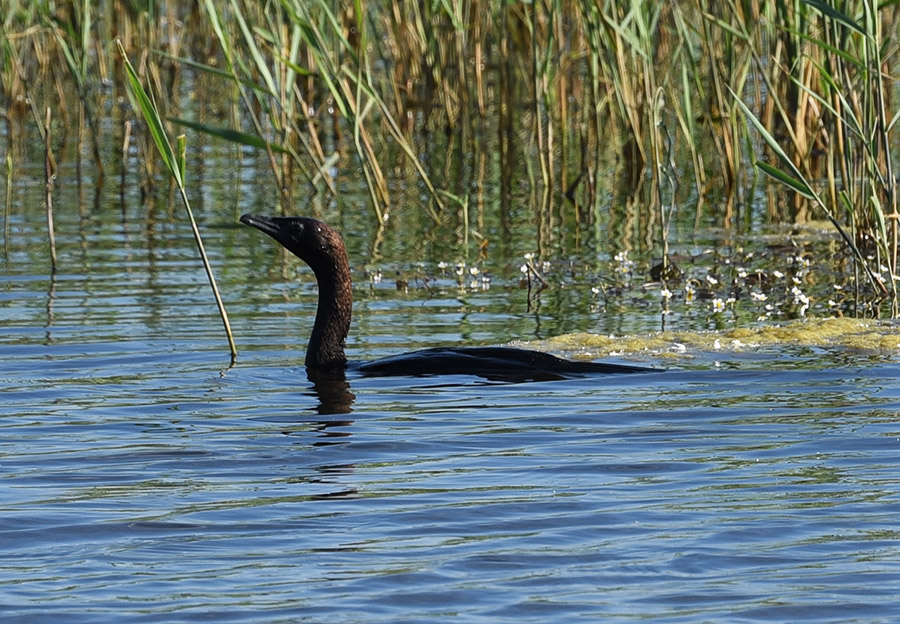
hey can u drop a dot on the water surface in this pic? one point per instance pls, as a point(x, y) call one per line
point(145, 479)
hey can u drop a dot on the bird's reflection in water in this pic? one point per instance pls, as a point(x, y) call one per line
point(334, 396)
point(333, 392)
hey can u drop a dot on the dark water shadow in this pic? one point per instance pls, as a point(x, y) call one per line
point(334, 395)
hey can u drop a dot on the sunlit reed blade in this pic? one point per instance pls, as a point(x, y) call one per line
point(174, 163)
point(798, 183)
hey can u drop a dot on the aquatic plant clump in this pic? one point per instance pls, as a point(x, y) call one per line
point(814, 342)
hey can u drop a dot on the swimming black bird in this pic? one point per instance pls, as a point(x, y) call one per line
point(322, 248)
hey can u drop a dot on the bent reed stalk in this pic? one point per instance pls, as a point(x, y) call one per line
point(175, 164)
point(584, 93)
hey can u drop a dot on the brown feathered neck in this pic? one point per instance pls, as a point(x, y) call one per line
point(322, 248)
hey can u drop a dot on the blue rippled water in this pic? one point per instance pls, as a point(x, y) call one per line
point(142, 479)
point(142, 482)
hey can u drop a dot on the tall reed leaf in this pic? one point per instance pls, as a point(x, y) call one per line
point(154, 124)
point(175, 164)
point(794, 182)
point(261, 66)
point(234, 136)
point(785, 179)
point(833, 13)
point(800, 185)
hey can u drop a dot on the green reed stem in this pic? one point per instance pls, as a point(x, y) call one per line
point(175, 164)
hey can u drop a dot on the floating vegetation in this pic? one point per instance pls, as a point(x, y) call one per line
point(858, 335)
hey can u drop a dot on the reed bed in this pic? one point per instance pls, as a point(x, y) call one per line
point(685, 102)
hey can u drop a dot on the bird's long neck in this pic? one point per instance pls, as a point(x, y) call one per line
point(329, 335)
